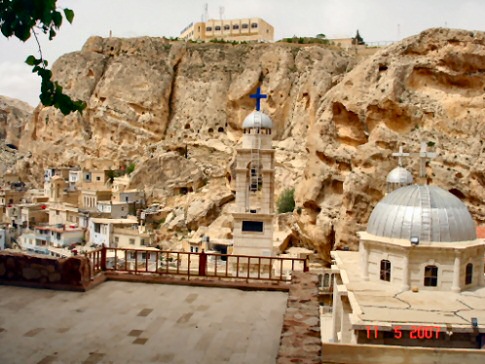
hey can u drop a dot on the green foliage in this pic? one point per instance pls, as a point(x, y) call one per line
point(306, 40)
point(131, 168)
point(21, 18)
point(358, 40)
point(286, 201)
point(111, 175)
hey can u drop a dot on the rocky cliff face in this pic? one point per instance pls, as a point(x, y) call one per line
point(14, 114)
point(146, 90)
point(176, 110)
point(430, 88)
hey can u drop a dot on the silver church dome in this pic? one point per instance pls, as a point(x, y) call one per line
point(251, 121)
point(400, 175)
point(425, 212)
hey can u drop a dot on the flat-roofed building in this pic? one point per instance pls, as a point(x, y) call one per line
point(243, 29)
point(418, 278)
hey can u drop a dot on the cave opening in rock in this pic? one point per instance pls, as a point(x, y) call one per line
point(456, 192)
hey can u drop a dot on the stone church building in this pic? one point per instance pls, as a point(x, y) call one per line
point(418, 277)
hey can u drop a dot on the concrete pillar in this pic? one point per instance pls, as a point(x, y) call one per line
point(335, 310)
point(342, 322)
point(481, 267)
point(455, 287)
point(405, 273)
point(364, 254)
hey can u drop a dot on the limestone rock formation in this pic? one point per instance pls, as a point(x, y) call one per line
point(14, 114)
point(175, 109)
point(429, 88)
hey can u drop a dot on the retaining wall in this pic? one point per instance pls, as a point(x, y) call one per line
point(44, 272)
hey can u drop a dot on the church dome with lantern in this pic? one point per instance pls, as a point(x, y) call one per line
point(400, 175)
point(257, 119)
point(425, 212)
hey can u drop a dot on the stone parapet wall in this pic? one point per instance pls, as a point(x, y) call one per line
point(387, 354)
point(44, 272)
point(300, 338)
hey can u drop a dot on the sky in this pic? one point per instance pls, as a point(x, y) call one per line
point(376, 20)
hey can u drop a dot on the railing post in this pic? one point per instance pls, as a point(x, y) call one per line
point(305, 265)
point(202, 263)
point(103, 257)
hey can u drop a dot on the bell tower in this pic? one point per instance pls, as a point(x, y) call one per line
point(253, 216)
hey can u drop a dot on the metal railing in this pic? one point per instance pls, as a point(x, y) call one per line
point(195, 265)
point(96, 261)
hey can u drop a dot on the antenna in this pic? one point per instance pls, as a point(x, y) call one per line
point(206, 11)
point(221, 12)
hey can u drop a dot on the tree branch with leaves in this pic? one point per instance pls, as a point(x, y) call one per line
point(24, 18)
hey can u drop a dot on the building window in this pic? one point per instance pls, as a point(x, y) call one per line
point(132, 241)
point(97, 228)
point(58, 236)
point(117, 239)
point(254, 25)
point(208, 29)
point(98, 178)
point(385, 270)
point(469, 273)
point(227, 27)
point(252, 226)
point(142, 241)
point(431, 276)
point(218, 28)
point(57, 212)
point(235, 26)
point(132, 255)
point(245, 26)
point(88, 177)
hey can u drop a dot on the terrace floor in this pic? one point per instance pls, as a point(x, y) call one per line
point(120, 322)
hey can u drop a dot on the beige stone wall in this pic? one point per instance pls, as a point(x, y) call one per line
point(44, 272)
point(380, 354)
point(129, 238)
point(253, 243)
point(411, 262)
point(230, 30)
point(300, 336)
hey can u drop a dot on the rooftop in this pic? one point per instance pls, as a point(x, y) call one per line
point(382, 304)
point(123, 322)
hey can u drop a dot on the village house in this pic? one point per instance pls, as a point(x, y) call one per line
point(32, 214)
point(58, 235)
point(90, 197)
point(49, 173)
point(115, 210)
point(30, 243)
point(130, 236)
point(100, 230)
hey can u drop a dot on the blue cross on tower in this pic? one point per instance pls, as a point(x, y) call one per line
point(258, 96)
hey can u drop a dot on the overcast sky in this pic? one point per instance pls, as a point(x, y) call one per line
point(377, 20)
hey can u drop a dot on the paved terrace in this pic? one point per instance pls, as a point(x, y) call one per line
point(119, 322)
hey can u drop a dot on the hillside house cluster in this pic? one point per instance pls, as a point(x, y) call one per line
point(77, 210)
